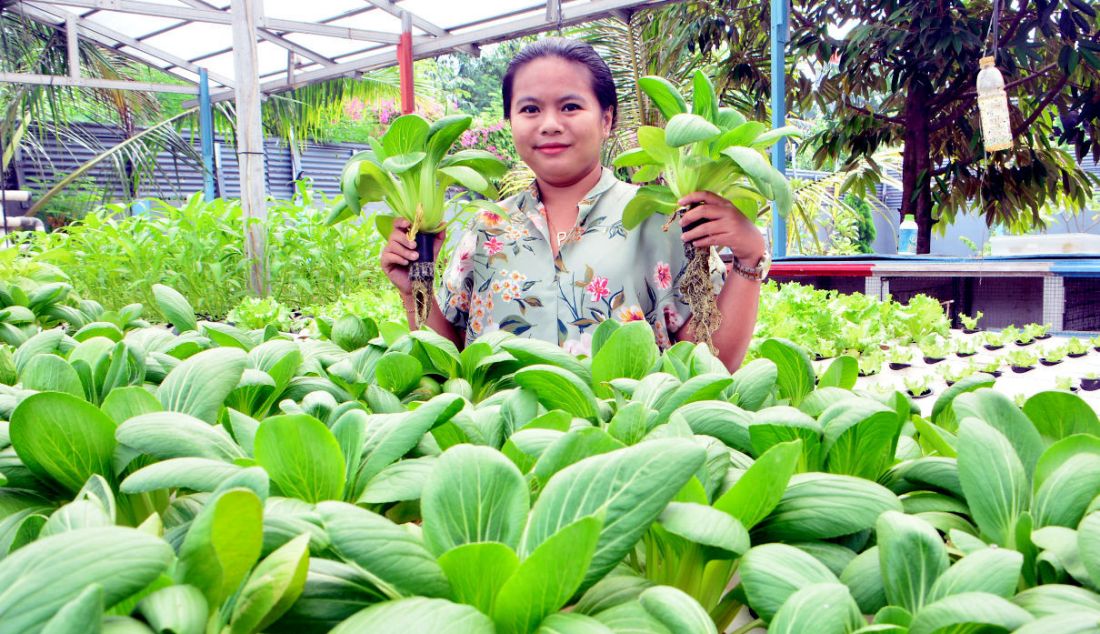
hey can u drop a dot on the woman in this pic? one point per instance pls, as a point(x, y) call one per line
point(559, 261)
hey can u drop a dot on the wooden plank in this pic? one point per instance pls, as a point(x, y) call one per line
point(250, 140)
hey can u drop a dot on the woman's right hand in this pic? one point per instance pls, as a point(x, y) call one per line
point(400, 252)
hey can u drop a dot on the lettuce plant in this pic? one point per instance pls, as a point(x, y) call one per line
point(410, 169)
point(707, 148)
point(970, 323)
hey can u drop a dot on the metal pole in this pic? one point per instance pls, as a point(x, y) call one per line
point(780, 36)
point(206, 135)
point(405, 64)
point(250, 140)
point(72, 46)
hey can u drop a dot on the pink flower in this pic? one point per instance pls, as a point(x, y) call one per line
point(662, 275)
point(597, 289)
point(493, 246)
point(671, 318)
point(580, 346)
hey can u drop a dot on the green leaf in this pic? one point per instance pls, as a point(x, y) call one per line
point(771, 573)
point(860, 437)
point(177, 609)
point(1063, 623)
point(175, 435)
point(942, 412)
point(912, 557)
point(863, 576)
point(417, 614)
point(124, 403)
point(196, 474)
point(795, 372)
point(778, 424)
point(757, 492)
point(559, 389)
point(45, 342)
point(222, 544)
point(969, 608)
point(444, 132)
point(634, 157)
point(993, 479)
point(1057, 415)
point(822, 608)
point(704, 525)
point(631, 617)
point(703, 101)
point(394, 557)
point(390, 436)
point(547, 578)
point(571, 623)
point(407, 133)
point(652, 140)
point(398, 372)
point(822, 506)
point(649, 199)
point(470, 179)
point(573, 447)
point(1067, 479)
point(272, 588)
point(537, 352)
point(76, 615)
point(684, 129)
point(664, 95)
point(1088, 545)
point(1051, 599)
point(302, 456)
point(477, 571)
point(997, 410)
point(474, 494)
point(676, 610)
point(721, 420)
point(632, 486)
point(757, 168)
point(741, 135)
point(63, 438)
point(991, 570)
point(402, 480)
point(47, 372)
point(630, 352)
point(175, 307)
point(43, 576)
point(842, 373)
point(200, 384)
point(754, 382)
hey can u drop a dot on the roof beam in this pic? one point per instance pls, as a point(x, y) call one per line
point(93, 82)
point(104, 36)
point(274, 38)
point(391, 8)
point(572, 14)
point(221, 17)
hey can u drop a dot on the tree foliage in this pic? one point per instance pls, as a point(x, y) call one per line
point(905, 74)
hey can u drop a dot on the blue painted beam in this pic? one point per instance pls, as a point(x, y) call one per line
point(780, 35)
point(206, 134)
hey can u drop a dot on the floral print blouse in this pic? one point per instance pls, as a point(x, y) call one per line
point(503, 273)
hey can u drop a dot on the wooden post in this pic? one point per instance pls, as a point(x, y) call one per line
point(250, 140)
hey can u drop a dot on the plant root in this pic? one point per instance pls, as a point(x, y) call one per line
point(698, 289)
point(422, 274)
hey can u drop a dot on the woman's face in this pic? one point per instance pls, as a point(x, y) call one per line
point(557, 123)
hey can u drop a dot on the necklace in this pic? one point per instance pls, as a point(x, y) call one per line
point(561, 235)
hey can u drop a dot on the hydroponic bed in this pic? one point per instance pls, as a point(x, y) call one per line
point(207, 478)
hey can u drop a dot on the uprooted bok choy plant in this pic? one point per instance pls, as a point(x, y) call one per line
point(409, 169)
point(709, 148)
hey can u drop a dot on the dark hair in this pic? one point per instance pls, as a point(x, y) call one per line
point(571, 51)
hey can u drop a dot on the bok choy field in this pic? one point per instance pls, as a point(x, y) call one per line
point(200, 477)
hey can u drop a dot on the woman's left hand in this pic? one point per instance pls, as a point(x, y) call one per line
point(722, 226)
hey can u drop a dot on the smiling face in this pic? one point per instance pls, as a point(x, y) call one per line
point(557, 123)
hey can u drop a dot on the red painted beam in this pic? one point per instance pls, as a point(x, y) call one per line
point(405, 66)
point(837, 269)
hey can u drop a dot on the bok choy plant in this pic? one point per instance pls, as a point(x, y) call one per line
point(709, 148)
point(409, 169)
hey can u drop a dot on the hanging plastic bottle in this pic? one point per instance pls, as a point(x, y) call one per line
point(993, 107)
point(907, 236)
